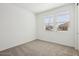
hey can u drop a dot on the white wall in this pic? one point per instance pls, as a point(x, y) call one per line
point(17, 26)
point(65, 38)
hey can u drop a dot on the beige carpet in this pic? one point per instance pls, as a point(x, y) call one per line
point(39, 48)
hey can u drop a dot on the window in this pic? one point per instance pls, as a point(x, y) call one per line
point(62, 22)
point(48, 21)
point(58, 22)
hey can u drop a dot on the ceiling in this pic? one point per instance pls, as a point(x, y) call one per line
point(38, 7)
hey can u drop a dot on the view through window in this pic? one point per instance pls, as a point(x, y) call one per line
point(61, 22)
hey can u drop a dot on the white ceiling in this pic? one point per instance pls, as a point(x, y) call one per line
point(38, 7)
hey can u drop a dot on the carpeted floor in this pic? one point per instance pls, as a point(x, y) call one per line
point(39, 48)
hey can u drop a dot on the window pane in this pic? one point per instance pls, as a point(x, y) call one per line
point(63, 22)
point(48, 21)
point(63, 18)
